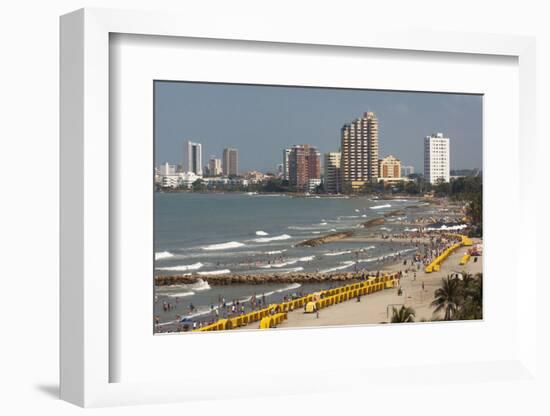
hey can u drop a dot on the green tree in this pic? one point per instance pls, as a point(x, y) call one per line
point(442, 188)
point(274, 185)
point(472, 297)
point(199, 185)
point(403, 314)
point(448, 298)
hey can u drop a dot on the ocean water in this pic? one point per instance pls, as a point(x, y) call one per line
point(213, 234)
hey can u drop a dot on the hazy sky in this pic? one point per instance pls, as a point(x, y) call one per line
point(261, 121)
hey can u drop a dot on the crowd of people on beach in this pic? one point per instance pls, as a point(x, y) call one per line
point(428, 246)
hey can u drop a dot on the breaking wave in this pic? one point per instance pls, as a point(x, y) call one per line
point(275, 251)
point(163, 255)
point(223, 246)
point(268, 239)
point(338, 253)
point(291, 270)
point(345, 265)
point(215, 272)
point(199, 285)
point(177, 294)
point(381, 206)
point(260, 232)
point(183, 268)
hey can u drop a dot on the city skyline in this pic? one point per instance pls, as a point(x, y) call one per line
point(264, 120)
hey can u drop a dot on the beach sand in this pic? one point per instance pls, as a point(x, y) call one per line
point(376, 308)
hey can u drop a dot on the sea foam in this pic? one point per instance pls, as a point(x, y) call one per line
point(381, 206)
point(260, 232)
point(345, 265)
point(178, 294)
point(223, 246)
point(338, 253)
point(183, 268)
point(215, 272)
point(268, 239)
point(163, 255)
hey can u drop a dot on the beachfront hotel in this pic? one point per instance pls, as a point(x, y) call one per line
point(437, 164)
point(332, 176)
point(304, 165)
point(359, 147)
point(230, 162)
point(194, 158)
point(389, 168)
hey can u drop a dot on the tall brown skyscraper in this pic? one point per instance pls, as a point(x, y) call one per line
point(360, 151)
point(304, 165)
point(230, 162)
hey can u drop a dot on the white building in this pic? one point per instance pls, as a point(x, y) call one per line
point(214, 166)
point(312, 184)
point(407, 170)
point(286, 174)
point(437, 163)
point(332, 176)
point(169, 181)
point(167, 169)
point(187, 179)
point(280, 170)
point(194, 158)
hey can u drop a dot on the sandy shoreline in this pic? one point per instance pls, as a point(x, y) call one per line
point(376, 308)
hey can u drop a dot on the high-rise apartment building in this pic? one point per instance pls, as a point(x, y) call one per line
point(389, 167)
point(286, 154)
point(194, 158)
point(280, 170)
point(230, 162)
point(332, 174)
point(359, 149)
point(304, 163)
point(437, 164)
point(214, 166)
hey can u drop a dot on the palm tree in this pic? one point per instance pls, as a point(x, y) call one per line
point(403, 314)
point(467, 281)
point(447, 298)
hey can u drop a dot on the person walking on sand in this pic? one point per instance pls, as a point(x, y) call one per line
point(422, 285)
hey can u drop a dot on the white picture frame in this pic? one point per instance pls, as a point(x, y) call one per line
point(86, 290)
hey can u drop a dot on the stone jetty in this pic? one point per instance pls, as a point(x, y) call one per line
point(257, 279)
point(396, 213)
point(373, 223)
point(327, 238)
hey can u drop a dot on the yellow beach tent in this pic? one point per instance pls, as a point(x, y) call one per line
point(310, 307)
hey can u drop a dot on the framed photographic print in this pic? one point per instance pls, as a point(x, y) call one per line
point(277, 206)
point(270, 233)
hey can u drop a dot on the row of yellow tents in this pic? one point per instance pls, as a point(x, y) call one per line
point(273, 321)
point(314, 301)
point(435, 265)
point(464, 259)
